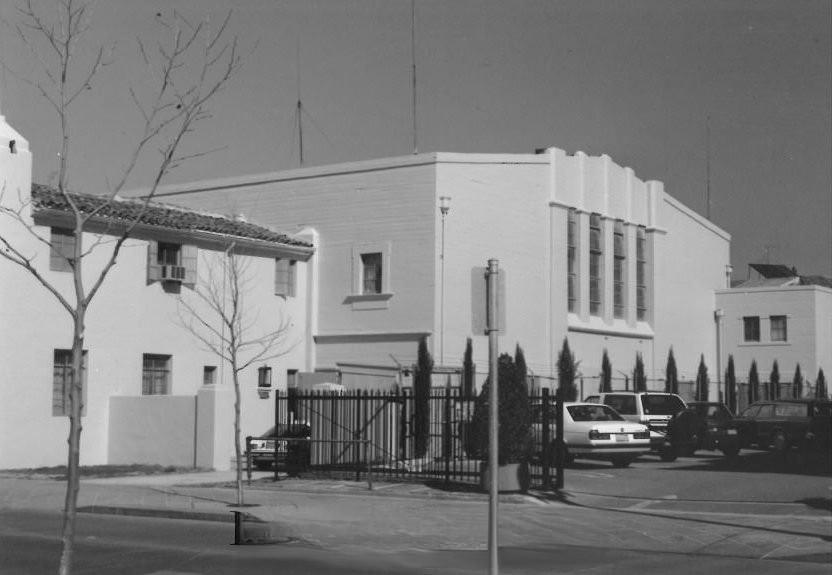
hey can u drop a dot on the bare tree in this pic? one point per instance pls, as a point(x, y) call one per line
point(186, 73)
point(218, 314)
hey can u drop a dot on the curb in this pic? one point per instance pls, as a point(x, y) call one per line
point(156, 512)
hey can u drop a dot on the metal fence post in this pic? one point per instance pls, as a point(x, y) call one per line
point(446, 432)
point(546, 441)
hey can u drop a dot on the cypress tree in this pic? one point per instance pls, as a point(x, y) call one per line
point(567, 369)
point(421, 406)
point(731, 385)
point(639, 379)
point(774, 382)
point(606, 374)
point(797, 383)
point(820, 385)
point(702, 383)
point(753, 383)
point(520, 366)
point(468, 371)
point(671, 376)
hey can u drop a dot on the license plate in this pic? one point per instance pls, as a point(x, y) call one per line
point(622, 438)
point(731, 431)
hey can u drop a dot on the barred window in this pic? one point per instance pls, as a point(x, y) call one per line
point(779, 330)
point(619, 267)
point(641, 274)
point(571, 259)
point(371, 273)
point(62, 381)
point(156, 374)
point(596, 255)
point(284, 279)
point(751, 328)
point(61, 249)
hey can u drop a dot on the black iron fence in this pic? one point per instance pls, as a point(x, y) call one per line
point(372, 435)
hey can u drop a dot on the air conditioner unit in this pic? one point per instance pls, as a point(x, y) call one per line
point(173, 273)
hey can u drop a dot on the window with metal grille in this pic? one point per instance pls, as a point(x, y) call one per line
point(155, 374)
point(284, 278)
point(61, 249)
point(596, 255)
point(571, 259)
point(62, 381)
point(779, 330)
point(641, 274)
point(619, 267)
point(168, 254)
point(751, 328)
point(371, 273)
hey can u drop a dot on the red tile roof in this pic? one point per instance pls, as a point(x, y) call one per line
point(125, 211)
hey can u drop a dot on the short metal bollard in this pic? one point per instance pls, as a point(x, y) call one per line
point(250, 532)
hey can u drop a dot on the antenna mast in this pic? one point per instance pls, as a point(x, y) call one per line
point(708, 167)
point(299, 109)
point(413, 62)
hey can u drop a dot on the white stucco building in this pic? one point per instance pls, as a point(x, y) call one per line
point(778, 315)
point(590, 252)
point(152, 392)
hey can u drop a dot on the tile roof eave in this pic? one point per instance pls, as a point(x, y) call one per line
point(144, 231)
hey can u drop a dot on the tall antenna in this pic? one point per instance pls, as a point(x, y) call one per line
point(413, 62)
point(299, 108)
point(708, 167)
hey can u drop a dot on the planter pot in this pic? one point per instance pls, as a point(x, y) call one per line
point(511, 477)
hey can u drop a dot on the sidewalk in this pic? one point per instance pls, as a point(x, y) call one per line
point(405, 517)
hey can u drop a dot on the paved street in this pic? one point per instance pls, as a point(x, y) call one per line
point(695, 515)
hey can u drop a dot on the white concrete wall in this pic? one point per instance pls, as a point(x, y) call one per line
point(808, 311)
point(363, 209)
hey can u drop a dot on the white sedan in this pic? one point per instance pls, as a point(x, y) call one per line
point(595, 431)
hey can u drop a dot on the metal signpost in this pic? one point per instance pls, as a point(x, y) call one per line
point(492, 327)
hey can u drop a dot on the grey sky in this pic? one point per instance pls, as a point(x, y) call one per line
point(635, 79)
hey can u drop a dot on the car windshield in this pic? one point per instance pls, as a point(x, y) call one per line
point(660, 404)
point(593, 413)
point(715, 411)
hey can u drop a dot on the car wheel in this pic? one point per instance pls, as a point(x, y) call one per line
point(778, 442)
point(668, 453)
point(621, 461)
point(731, 451)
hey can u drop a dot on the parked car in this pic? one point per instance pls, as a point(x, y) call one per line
point(712, 428)
point(272, 448)
point(592, 431)
point(653, 409)
point(782, 424)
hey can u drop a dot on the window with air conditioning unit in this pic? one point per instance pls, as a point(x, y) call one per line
point(171, 264)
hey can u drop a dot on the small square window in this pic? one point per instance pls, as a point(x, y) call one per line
point(751, 328)
point(209, 375)
point(156, 374)
point(779, 330)
point(371, 273)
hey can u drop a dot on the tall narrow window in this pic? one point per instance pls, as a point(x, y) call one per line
point(619, 267)
point(596, 263)
point(751, 328)
point(641, 274)
point(371, 273)
point(571, 259)
point(61, 250)
point(168, 254)
point(284, 279)
point(156, 374)
point(62, 381)
point(778, 328)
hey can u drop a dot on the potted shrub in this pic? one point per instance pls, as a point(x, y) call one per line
point(514, 423)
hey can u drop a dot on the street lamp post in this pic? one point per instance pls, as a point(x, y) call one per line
point(444, 208)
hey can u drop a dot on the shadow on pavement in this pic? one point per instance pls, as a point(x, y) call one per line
point(792, 463)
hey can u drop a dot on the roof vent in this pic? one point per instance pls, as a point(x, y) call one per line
point(241, 217)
